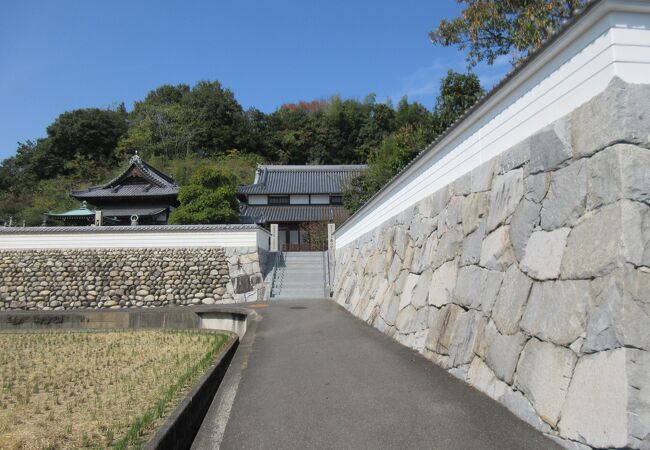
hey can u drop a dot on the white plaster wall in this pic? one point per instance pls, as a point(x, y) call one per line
point(299, 199)
point(258, 200)
point(263, 240)
point(611, 40)
point(320, 199)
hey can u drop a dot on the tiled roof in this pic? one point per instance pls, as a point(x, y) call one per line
point(82, 211)
point(302, 179)
point(159, 184)
point(141, 211)
point(125, 191)
point(293, 213)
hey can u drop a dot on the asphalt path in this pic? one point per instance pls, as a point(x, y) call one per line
point(309, 375)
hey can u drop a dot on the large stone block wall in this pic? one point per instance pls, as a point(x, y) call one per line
point(126, 278)
point(529, 278)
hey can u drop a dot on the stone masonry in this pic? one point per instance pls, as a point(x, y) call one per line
point(126, 278)
point(529, 278)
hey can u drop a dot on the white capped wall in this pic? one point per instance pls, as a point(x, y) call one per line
point(258, 200)
point(320, 199)
point(612, 39)
point(299, 199)
point(30, 239)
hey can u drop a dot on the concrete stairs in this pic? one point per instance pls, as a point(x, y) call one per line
point(299, 275)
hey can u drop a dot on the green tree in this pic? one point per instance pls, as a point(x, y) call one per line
point(92, 133)
point(292, 134)
point(488, 29)
point(217, 118)
point(394, 153)
point(17, 170)
point(208, 198)
point(336, 131)
point(176, 121)
point(458, 92)
point(414, 114)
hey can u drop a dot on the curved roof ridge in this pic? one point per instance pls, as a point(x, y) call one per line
point(150, 173)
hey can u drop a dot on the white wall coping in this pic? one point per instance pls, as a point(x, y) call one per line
point(610, 39)
point(131, 229)
point(167, 236)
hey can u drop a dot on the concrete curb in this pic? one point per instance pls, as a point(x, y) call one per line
point(174, 317)
point(182, 425)
point(212, 429)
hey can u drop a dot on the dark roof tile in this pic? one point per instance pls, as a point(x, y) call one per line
point(160, 185)
point(302, 179)
point(293, 213)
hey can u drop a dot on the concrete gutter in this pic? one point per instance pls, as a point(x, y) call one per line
point(180, 428)
point(213, 427)
point(213, 317)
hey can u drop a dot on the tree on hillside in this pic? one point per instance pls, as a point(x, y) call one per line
point(291, 133)
point(176, 121)
point(166, 94)
point(222, 119)
point(414, 114)
point(487, 29)
point(208, 198)
point(336, 131)
point(90, 133)
point(15, 171)
point(458, 92)
point(393, 154)
point(180, 128)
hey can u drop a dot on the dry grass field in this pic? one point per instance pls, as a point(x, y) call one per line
point(95, 389)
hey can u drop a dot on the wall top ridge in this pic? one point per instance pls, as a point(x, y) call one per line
point(574, 66)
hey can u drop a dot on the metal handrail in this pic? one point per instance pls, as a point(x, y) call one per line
point(326, 274)
point(278, 257)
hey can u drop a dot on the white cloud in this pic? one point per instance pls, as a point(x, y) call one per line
point(490, 75)
point(423, 84)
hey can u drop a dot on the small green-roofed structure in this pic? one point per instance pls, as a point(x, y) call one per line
point(81, 216)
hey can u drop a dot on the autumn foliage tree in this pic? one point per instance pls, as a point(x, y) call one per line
point(488, 29)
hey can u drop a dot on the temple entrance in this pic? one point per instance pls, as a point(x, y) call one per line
point(299, 237)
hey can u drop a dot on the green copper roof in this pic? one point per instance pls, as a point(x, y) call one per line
point(83, 211)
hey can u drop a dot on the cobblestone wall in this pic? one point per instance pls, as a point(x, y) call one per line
point(529, 278)
point(124, 278)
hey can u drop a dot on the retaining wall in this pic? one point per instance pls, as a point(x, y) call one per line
point(62, 268)
point(529, 276)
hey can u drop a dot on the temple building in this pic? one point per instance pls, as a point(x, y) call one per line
point(141, 195)
point(299, 200)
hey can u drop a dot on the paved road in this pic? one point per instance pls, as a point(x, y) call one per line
point(312, 376)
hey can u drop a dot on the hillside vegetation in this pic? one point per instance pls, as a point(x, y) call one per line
point(181, 128)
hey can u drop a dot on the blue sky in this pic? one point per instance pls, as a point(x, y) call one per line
point(62, 55)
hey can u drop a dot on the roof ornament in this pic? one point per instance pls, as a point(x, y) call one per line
point(135, 158)
point(84, 205)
